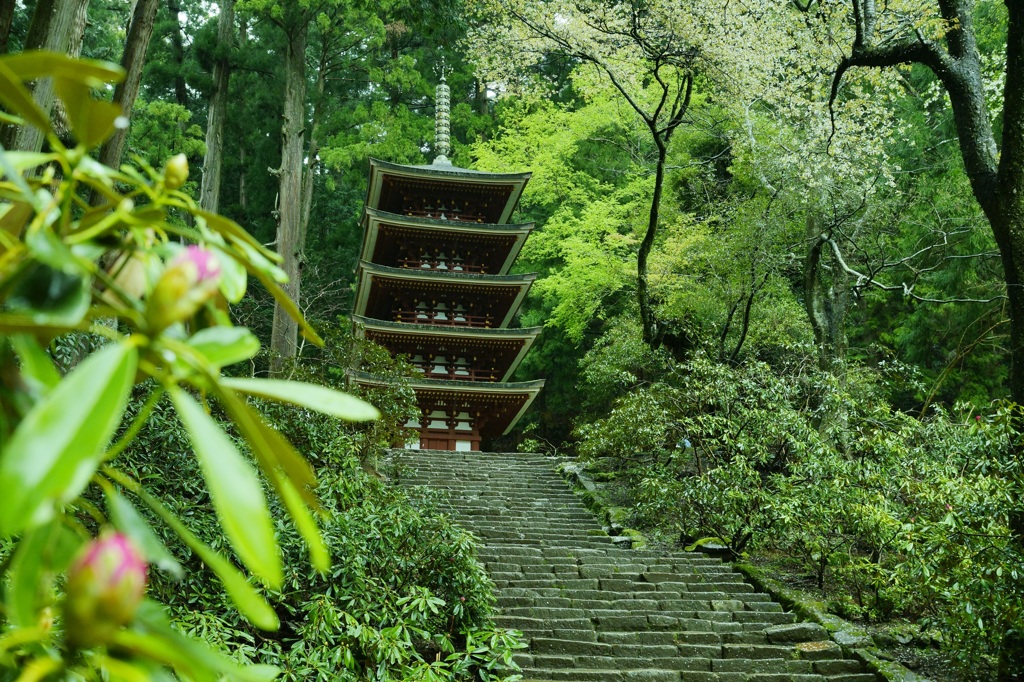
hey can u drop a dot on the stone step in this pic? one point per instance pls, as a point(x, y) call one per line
point(591, 608)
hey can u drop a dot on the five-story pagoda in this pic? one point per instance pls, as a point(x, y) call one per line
point(433, 284)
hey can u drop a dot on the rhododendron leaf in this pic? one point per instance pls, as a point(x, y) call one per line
point(289, 473)
point(41, 555)
point(311, 396)
point(156, 638)
point(58, 445)
point(36, 363)
point(223, 346)
point(235, 489)
point(249, 602)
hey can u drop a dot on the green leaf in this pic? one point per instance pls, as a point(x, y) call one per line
point(127, 519)
point(233, 279)
point(235, 489)
point(49, 296)
point(42, 554)
point(157, 639)
point(18, 99)
point(271, 448)
point(58, 445)
point(311, 396)
point(223, 346)
point(38, 63)
point(91, 120)
point(36, 363)
point(23, 161)
point(235, 232)
point(288, 472)
point(249, 602)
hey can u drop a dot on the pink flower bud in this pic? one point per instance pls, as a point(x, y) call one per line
point(189, 281)
point(105, 585)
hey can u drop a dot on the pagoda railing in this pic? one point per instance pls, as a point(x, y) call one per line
point(446, 319)
point(430, 372)
point(445, 214)
point(432, 264)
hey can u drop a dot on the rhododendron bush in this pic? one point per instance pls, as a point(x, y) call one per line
point(124, 254)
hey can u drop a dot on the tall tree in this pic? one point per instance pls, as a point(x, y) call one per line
point(177, 52)
point(140, 30)
point(6, 20)
point(209, 193)
point(652, 52)
point(53, 25)
point(942, 36)
point(293, 19)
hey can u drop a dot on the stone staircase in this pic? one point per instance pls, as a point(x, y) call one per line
point(591, 608)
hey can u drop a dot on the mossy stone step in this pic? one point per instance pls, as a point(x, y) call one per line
point(591, 608)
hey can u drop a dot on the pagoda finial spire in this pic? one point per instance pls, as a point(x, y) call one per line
point(442, 121)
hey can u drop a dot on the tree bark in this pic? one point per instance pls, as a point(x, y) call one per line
point(290, 232)
point(826, 303)
point(309, 177)
point(51, 28)
point(133, 59)
point(209, 191)
point(178, 54)
point(6, 19)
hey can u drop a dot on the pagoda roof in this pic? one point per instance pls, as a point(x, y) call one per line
point(516, 395)
point(504, 189)
point(508, 236)
point(507, 291)
point(404, 332)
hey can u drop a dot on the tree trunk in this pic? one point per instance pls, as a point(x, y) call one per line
point(1008, 227)
point(309, 178)
point(209, 192)
point(827, 303)
point(651, 332)
point(60, 115)
point(133, 59)
point(290, 232)
point(6, 19)
point(178, 53)
point(51, 28)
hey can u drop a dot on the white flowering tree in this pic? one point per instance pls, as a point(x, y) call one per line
point(656, 54)
point(943, 37)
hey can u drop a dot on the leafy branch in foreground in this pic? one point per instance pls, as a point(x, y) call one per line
point(119, 267)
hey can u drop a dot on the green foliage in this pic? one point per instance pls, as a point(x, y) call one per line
point(159, 130)
point(404, 597)
point(907, 517)
point(161, 308)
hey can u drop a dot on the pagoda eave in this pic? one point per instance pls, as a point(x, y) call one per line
point(400, 336)
point(503, 188)
point(375, 280)
point(382, 229)
point(504, 402)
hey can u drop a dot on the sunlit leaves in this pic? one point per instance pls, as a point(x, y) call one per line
point(58, 445)
point(310, 396)
point(235, 489)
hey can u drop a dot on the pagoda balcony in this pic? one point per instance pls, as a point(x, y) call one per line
point(459, 373)
point(444, 319)
point(441, 265)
